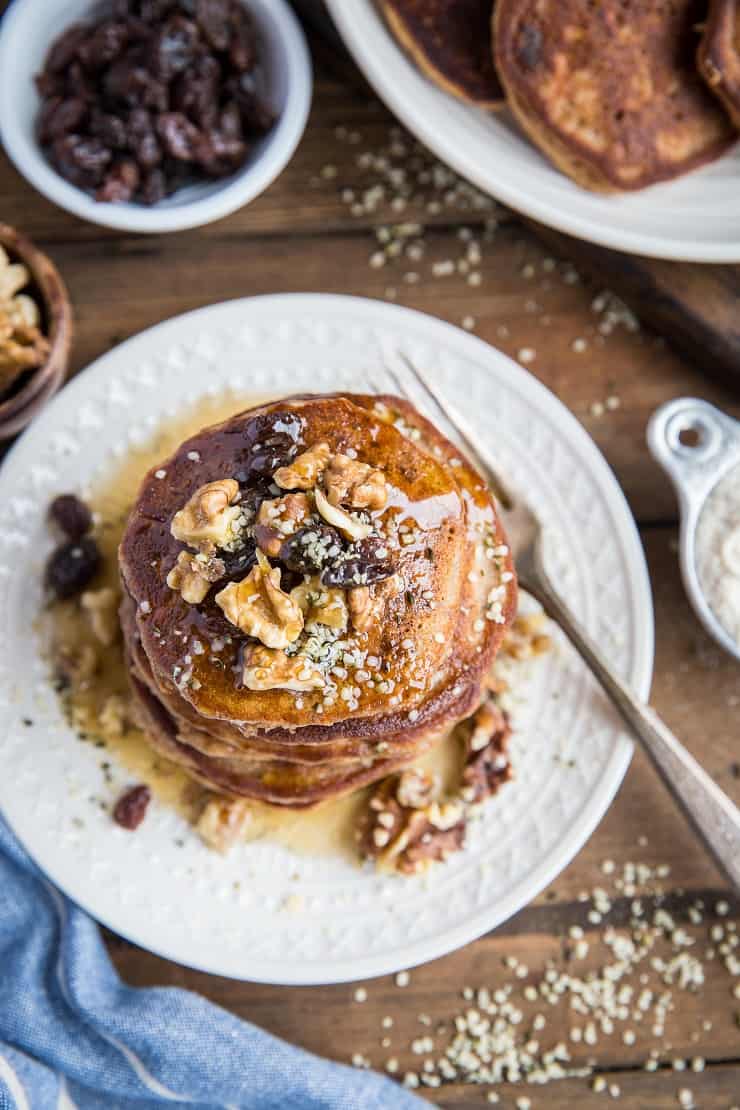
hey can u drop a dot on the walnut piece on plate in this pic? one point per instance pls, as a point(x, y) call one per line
point(260, 608)
point(223, 822)
point(101, 608)
point(405, 829)
point(487, 763)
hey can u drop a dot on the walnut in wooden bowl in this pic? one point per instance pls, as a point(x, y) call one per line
point(35, 330)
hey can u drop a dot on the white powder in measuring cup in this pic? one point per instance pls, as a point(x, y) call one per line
point(718, 552)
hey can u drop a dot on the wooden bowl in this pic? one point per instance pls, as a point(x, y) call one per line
point(49, 291)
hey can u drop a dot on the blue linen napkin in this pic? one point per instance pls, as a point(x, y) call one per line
point(73, 1035)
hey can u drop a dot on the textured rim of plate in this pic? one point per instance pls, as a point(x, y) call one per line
point(315, 307)
point(386, 66)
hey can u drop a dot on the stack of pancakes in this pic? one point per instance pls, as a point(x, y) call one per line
point(610, 92)
point(314, 592)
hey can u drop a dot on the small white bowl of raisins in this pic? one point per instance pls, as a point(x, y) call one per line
point(152, 115)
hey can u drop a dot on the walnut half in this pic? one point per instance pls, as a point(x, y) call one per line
point(210, 516)
point(305, 470)
point(259, 607)
point(354, 484)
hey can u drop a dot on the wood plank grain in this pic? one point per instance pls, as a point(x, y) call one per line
point(694, 307)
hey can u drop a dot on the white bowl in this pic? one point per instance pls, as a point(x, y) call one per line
point(28, 30)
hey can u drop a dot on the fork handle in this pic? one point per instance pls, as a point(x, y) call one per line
point(715, 817)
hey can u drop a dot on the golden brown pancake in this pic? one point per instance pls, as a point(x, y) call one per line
point(388, 689)
point(719, 54)
point(450, 42)
point(610, 94)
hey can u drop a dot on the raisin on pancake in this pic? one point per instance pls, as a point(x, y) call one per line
point(719, 54)
point(610, 91)
point(450, 42)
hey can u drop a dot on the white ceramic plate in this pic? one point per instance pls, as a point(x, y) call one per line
point(230, 916)
point(696, 218)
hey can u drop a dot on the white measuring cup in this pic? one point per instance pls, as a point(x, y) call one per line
point(697, 445)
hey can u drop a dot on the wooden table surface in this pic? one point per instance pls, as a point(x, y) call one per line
point(302, 236)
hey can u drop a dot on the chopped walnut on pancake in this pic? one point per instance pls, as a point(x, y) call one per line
point(259, 607)
point(210, 516)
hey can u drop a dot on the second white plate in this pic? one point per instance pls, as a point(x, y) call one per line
point(161, 887)
point(696, 218)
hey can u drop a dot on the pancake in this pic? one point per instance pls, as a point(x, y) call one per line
point(449, 40)
point(426, 550)
point(719, 54)
point(611, 96)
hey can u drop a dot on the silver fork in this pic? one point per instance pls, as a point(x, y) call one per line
point(713, 814)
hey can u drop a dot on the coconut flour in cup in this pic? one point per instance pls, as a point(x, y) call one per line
point(718, 552)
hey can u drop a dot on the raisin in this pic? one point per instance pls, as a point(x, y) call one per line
point(128, 81)
point(130, 809)
point(72, 566)
point(311, 548)
point(173, 47)
point(152, 11)
point(121, 182)
point(270, 453)
point(81, 160)
point(257, 118)
point(103, 45)
point(78, 83)
point(217, 154)
point(238, 563)
point(179, 136)
point(67, 116)
point(243, 45)
point(142, 141)
point(213, 18)
point(363, 564)
point(64, 49)
point(71, 515)
point(110, 129)
point(195, 91)
point(49, 85)
point(153, 187)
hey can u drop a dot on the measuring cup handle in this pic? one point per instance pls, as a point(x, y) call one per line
point(687, 434)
